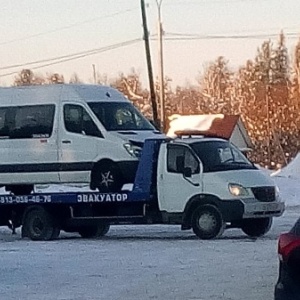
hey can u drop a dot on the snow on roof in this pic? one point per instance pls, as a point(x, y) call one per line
point(224, 126)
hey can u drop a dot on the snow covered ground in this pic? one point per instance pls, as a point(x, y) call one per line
point(147, 262)
point(142, 262)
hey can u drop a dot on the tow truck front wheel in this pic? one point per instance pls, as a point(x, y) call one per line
point(94, 231)
point(207, 222)
point(256, 227)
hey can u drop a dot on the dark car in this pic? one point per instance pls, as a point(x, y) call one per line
point(288, 285)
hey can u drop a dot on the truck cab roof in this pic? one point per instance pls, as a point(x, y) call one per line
point(193, 140)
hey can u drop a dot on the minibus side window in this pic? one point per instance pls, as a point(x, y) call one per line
point(34, 121)
point(77, 120)
point(88, 125)
point(4, 128)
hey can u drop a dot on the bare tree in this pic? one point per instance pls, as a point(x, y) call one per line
point(25, 77)
point(75, 78)
point(55, 78)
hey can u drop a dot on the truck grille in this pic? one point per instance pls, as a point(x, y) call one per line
point(264, 194)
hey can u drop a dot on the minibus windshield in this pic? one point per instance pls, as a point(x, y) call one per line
point(118, 116)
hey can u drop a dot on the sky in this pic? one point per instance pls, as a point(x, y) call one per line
point(40, 30)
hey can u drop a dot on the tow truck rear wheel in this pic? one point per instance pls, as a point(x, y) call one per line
point(207, 222)
point(256, 227)
point(39, 225)
point(94, 231)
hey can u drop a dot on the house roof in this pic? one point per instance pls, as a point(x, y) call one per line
point(229, 127)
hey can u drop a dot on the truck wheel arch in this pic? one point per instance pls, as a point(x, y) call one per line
point(194, 202)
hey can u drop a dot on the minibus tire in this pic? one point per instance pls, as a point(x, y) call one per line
point(40, 225)
point(102, 169)
point(215, 225)
point(255, 228)
point(94, 231)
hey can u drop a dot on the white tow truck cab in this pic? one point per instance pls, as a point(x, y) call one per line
point(205, 184)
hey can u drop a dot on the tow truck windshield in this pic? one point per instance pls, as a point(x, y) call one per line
point(220, 156)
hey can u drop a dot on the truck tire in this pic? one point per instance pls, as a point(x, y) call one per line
point(94, 231)
point(56, 233)
point(256, 227)
point(207, 222)
point(106, 177)
point(39, 225)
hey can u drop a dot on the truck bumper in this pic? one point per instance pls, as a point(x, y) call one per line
point(233, 210)
point(263, 209)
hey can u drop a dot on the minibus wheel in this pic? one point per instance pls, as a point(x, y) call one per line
point(106, 177)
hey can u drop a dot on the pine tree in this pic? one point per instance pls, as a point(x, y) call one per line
point(217, 86)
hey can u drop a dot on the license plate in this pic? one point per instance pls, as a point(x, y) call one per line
point(266, 207)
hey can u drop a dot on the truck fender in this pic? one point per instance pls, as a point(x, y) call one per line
point(194, 202)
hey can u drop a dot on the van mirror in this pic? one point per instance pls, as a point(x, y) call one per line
point(187, 172)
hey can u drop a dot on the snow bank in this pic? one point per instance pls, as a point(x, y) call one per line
point(289, 190)
point(288, 181)
point(292, 170)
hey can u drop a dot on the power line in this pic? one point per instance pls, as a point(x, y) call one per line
point(64, 56)
point(75, 56)
point(247, 33)
point(265, 31)
point(66, 27)
point(212, 2)
point(185, 37)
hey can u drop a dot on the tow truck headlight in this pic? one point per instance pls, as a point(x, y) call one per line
point(134, 151)
point(237, 190)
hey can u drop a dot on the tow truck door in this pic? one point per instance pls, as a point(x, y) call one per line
point(179, 176)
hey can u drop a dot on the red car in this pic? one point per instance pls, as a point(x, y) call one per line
point(288, 285)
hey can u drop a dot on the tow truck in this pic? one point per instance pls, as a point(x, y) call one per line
point(205, 184)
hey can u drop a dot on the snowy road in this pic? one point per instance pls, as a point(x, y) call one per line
point(145, 262)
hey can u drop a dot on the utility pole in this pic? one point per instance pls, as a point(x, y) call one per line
point(161, 67)
point(148, 57)
point(268, 121)
point(94, 73)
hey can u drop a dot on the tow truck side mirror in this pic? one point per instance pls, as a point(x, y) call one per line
point(187, 172)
